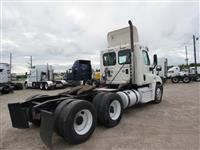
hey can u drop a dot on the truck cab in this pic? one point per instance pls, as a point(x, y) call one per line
point(80, 71)
point(42, 76)
point(119, 66)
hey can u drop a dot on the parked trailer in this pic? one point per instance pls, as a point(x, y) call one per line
point(6, 86)
point(42, 77)
point(129, 80)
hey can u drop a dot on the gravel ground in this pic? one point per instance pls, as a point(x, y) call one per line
point(172, 124)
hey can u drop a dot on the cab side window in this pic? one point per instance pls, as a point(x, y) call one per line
point(124, 57)
point(109, 59)
point(146, 57)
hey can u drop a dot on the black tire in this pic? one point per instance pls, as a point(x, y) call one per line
point(197, 78)
point(34, 85)
point(58, 116)
point(6, 90)
point(96, 102)
point(175, 80)
point(105, 110)
point(158, 94)
point(41, 86)
point(68, 115)
point(26, 85)
point(46, 86)
point(186, 79)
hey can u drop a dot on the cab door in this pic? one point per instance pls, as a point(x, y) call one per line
point(124, 60)
point(148, 77)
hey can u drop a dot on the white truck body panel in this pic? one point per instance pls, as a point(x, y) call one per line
point(163, 62)
point(40, 73)
point(192, 70)
point(142, 95)
point(121, 37)
point(5, 74)
point(174, 71)
point(122, 77)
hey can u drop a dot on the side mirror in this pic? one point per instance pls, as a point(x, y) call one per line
point(158, 68)
point(151, 68)
point(155, 60)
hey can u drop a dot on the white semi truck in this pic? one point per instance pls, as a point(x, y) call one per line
point(42, 76)
point(6, 84)
point(176, 74)
point(128, 80)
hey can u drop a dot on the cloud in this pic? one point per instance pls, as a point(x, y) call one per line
point(60, 33)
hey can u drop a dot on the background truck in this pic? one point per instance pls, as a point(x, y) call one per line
point(80, 71)
point(6, 85)
point(42, 76)
point(163, 63)
point(192, 70)
point(128, 78)
point(176, 74)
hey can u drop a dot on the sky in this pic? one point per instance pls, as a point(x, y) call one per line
point(58, 33)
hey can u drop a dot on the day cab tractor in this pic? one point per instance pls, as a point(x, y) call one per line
point(128, 78)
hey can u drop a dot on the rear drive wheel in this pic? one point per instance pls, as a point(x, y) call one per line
point(34, 85)
point(41, 86)
point(197, 78)
point(46, 87)
point(186, 79)
point(175, 79)
point(26, 85)
point(78, 121)
point(110, 110)
point(58, 116)
point(96, 102)
point(158, 94)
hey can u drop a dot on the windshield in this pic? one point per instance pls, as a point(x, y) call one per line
point(170, 71)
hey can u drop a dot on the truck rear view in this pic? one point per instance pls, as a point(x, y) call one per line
point(128, 79)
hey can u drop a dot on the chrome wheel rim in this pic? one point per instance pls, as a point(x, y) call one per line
point(114, 109)
point(83, 121)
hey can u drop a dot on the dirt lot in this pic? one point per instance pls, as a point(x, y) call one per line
point(172, 124)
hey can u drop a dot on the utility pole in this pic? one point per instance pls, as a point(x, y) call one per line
point(11, 66)
point(195, 59)
point(31, 61)
point(186, 59)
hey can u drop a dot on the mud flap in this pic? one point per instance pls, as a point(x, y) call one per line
point(18, 116)
point(47, 128)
